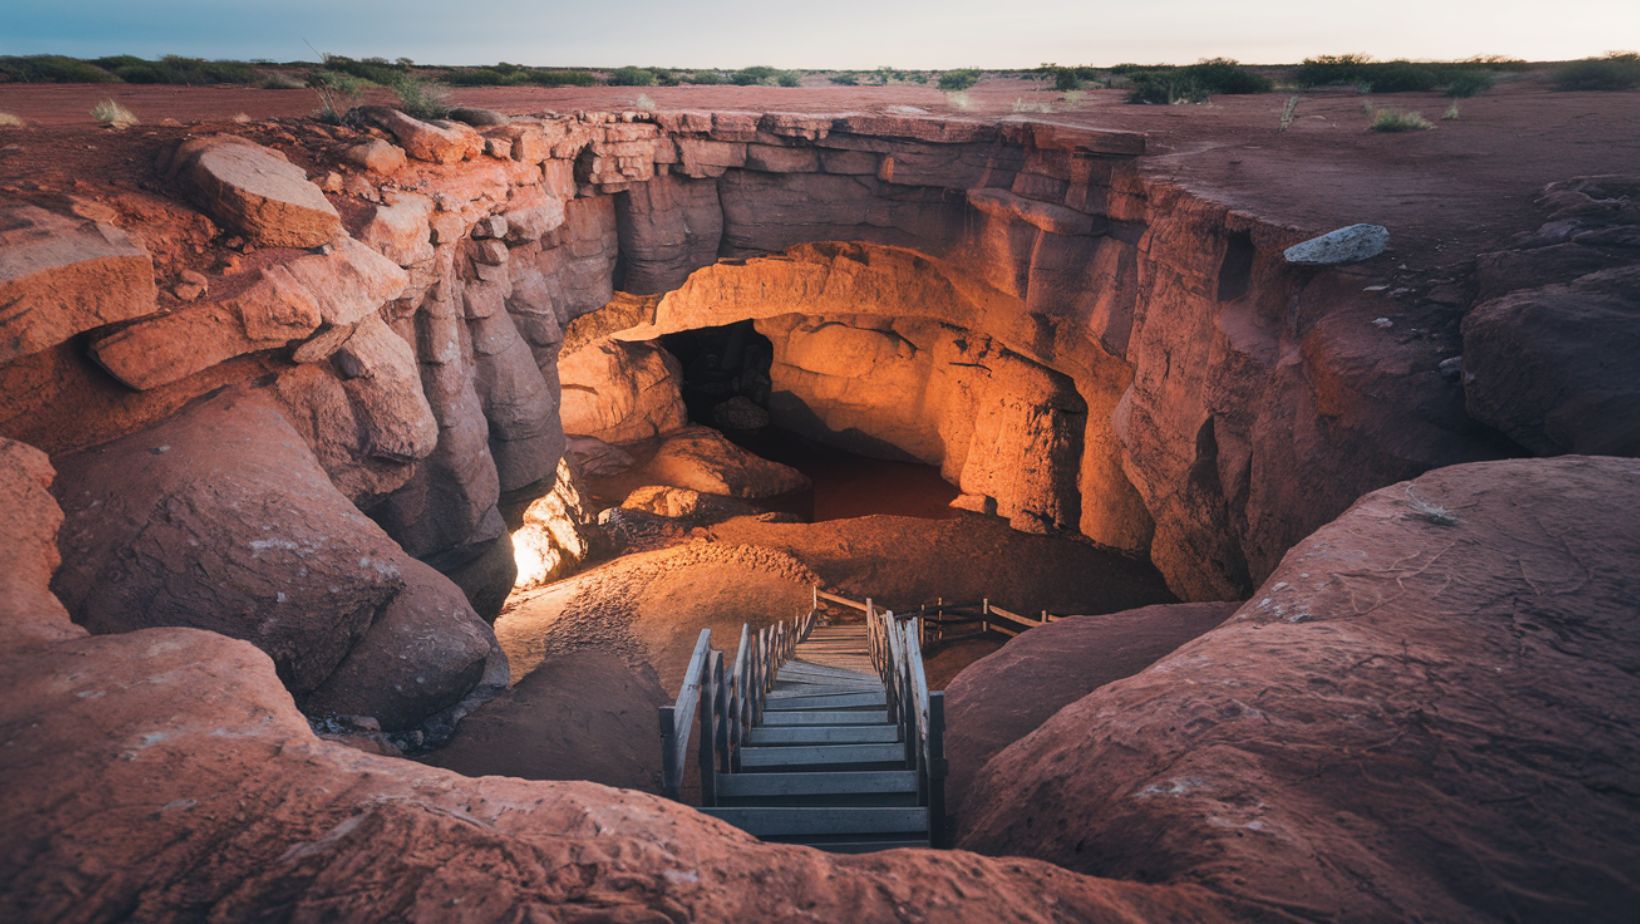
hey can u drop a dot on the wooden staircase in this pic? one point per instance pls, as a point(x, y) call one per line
point(822, 733)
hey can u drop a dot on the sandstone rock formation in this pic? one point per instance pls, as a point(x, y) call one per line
point(256, 192)
point(1548, 350)
point(1006, 695)
point(1424, 711)
point(621, 392)
point(702, 459)
point(60, 276)
point(222, 519)
point(29, 612)
point(555, 536)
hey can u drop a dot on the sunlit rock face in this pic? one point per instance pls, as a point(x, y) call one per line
point(556, 534)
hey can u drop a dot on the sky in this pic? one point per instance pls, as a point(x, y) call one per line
point(818, 34)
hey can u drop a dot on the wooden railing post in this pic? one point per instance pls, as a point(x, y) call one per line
point(935, 760)
point(708, 727)
point(669, 752)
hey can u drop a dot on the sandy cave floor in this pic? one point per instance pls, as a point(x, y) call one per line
point(593, 655)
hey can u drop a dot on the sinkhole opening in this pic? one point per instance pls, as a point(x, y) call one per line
point(726, 383)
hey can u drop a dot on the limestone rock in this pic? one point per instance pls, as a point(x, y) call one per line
point(702, 459)
point(377, 156)
point(256, 192)
point(60, 276)
point(1351, 244)
point(620, 392)
point(220, 518)
point(434, 142)
point(1375, 713)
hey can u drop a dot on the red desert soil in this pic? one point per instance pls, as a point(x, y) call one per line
point(1444, 194)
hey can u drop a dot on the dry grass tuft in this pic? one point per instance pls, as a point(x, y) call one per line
point(110, 114)
point(7, 120)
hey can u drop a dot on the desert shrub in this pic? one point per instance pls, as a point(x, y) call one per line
point(631, 77)
point(960, 79)
point(1226, 75)
point(845, 79)
point(1619, 70)
point(419, 98)
point(1452, 112)
point(112, 115)
point(375, 70)
point(281, 81)
point(337, 92)
point(705, 78)
point(644, 103)
point(173, 69)
point(548, 77)
point(1400, 77)
point(52, 69)
point(1164, 88)
point(1032, 106)
point(1464, 84)
point(789, 79)
point(1331, 70)
point(480, 77)
point(918, 77)
point(750, 76)
point(9, 120)
point(1389, 120)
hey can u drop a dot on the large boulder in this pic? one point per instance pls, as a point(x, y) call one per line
point(702, 459)
point(1426, 711)
point(621, 392)
point(435, 142)
point(60, 276)
point(221, 519)
point(1007, 694)
point(256, 192)
point(1557, 368)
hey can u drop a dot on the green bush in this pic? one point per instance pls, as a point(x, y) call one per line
point(631, 77)
point(789, 79)
point(419, 98)
point(1619, 70)
point(375, 70)
point(480, 77)
point(750, 76)
point(960, 79)
point(337, 91)
point(1401, 77)
point(1464, 84)
point(705, 78)
point(52, 69)
point(845, 79)
point(547, 77)
point(1225, 75)
point(1164, 87)
point(1332, 70)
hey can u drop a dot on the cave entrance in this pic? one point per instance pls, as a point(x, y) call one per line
point(727, 385)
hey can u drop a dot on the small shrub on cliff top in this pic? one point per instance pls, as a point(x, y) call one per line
point(1619, 70)
point(112, 115)
point(631, 77)
point(337, 93)
point(420, 99)
point(960, 79)
point(1388, 120)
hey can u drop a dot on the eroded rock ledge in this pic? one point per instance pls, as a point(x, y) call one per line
point(1191, 397)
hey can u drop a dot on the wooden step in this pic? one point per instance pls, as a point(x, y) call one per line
point(798, 755)
point(824, 734)
point(863, 716)
point(847, 782)
point(782, 703)
point(824, 821)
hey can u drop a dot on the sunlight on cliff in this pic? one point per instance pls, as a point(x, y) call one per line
point(553, 540)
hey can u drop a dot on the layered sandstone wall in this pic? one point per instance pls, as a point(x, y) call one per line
point(415, 348)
